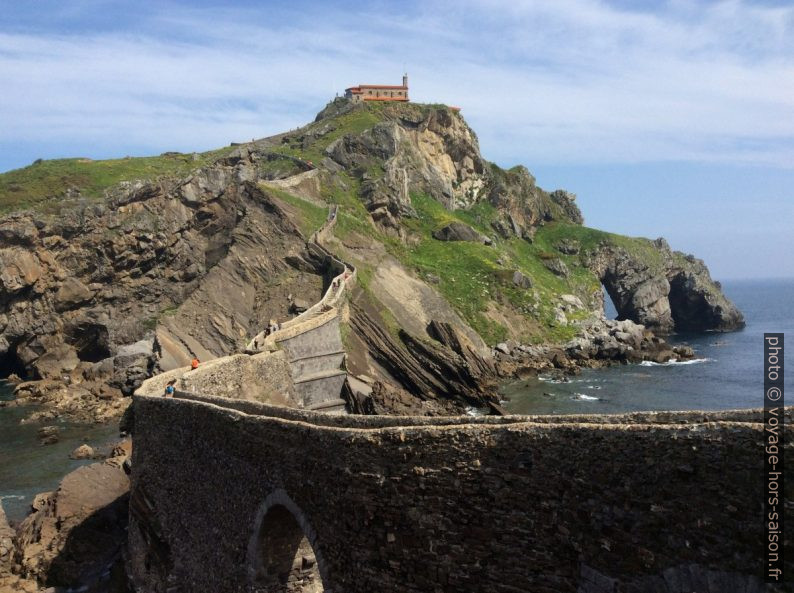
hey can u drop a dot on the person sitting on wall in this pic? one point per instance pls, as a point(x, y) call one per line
point(194, 363)
point(169, 388)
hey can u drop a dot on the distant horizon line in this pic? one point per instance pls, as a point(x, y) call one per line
point(753, 279)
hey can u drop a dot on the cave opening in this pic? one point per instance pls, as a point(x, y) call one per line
point(610, 310)
point(10, 364)
point(91, 341)
point(688, 308)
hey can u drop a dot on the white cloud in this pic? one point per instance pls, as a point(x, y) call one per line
point(552, 81)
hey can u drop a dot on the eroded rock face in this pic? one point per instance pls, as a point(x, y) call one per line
point(74, 535)
point(449, 370)
point(434, 152)
point(671, 292)
point(104, 294)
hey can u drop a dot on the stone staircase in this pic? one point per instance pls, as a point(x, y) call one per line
point(300, 365)
point(312, 341)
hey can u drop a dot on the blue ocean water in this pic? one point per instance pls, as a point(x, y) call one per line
point(27, 467)
point(728, 372)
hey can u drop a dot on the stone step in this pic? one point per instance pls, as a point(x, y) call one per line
point(324, 405)
point(318, 376)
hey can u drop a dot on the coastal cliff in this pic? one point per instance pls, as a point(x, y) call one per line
point(115, 270)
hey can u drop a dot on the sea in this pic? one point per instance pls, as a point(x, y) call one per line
point(726, 373)
point(28, 467)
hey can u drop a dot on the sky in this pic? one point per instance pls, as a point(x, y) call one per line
point(671, 119)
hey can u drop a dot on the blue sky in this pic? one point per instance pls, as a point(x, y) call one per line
point(671, 119)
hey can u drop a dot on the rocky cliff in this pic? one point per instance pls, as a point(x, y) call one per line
point(115, 270)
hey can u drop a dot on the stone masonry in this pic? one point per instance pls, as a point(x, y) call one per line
point(239, 496)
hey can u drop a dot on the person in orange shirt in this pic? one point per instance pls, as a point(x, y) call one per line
point(194, 363)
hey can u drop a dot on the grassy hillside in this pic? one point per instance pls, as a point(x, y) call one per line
point(477, 280)
point(44, 183)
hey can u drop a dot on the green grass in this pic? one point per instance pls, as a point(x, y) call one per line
point(472, 278)
point(310, 216)
point(589, 239)
point(354, 122)
point(359, 119)
point(46, 183)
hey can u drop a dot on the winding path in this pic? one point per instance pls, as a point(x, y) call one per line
point(308, 348)
point(312, 341)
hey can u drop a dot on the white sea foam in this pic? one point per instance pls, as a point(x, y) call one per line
point(547, 379)
point(669, 363)
point(582, 396)
point(472, 411)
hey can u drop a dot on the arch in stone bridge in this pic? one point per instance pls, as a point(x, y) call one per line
point(282, 552)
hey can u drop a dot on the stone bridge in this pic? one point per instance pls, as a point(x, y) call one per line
point(300, 365)
point(231, 495)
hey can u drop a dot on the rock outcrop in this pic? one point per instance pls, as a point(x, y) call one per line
point(448, 370)
point(99, 297)
point(666, 292)
point(599, 343)
point(432, 151)
point(6, 541)
point(457, 231)
point(73, 537)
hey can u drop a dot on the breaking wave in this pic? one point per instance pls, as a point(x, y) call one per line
point(669, 363)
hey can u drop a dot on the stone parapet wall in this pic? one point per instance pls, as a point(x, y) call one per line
point(686, 419)
point(263, 377)
point(515, 504)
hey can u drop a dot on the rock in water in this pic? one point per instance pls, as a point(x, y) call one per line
point(48, 435)
point(6, 539)
point(664, 290)
point(82, 452)
point(75, 533)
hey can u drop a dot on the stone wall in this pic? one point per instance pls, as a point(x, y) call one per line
point(516, 504)
point(263, 377)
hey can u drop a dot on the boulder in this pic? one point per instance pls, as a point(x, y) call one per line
point(59, 360)
point(568, 246)
point(299, 305)
point(503, 348)
point(522, 281)
point(82, 452)
point(557, 266)
point(572, 301)
point(19, 270)
point(458, 231)
point(75, 534)
point(48, 435)
point(71, 294)
point(501, 228)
